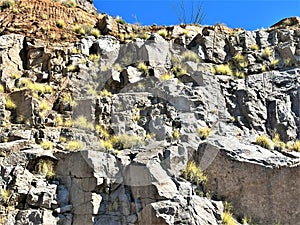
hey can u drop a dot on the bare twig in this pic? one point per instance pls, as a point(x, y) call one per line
point(197, 16)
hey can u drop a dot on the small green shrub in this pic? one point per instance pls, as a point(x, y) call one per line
point(163, 33)
point(179, 71)
point(76, 51)
point(125, 141)
point(144, 36)
point(62, 139)
point(46, 28)
point(106, 144)
point(95, 32)
point(190, 56)
point(239, 74)
point(185, 32)
point(240, 61)
point(254, 47)
point(118, 67)
point(287, 62)
point(46, 167)
point(69, 3)
point(72, 68)
point(58, 120)
point(60, 23)
point(1, 88)
point(9, 104)
point(68, 123)
point(105, 93)
point(277, 142)
point(83, 123)
point(5, 194)
point(227, 206)
point(228, 219)
point(44, 106)
point(48, 145)
point(266, 53)
point(204, 132)
point(94, 57)
point(143, 68)
point(223, 70)
point(120, 20)
point(192, 173)
point(166, 76)
point(15, 76)
point(74, 145)
point(79, 29)
point(248, 221)
point(175, 134)
point(264, 141)
point(295, 146)
point(44, 16)
point(274, 62)
point(102, 132)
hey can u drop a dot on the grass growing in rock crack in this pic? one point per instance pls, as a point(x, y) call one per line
point(60, 23)
point(125, 141)
point(204, 132)
point(166, 76)
point(78, 29)
point(44, 106)
point(120, 20)
point(222, 70)
point(94, 57)
point(266, 53)
point(190, 56)
point(5, 194)
point(83, 123)
point(47, 145)
point(277, 142)
point(72, 68)
point(69, 3)
point(264, 141)
point(240, 60)
point(163, 33)
point(9, 104)
point(227, 219)
point(295, 146)
point(192, 173)
point(74, 145)
point(102, 132)
point(46, 167)
point(105, 93)
point(287, 62)
point(179, 71)
point(143, 68)
point(175, 134)
point(1, 88)
point(254, 47)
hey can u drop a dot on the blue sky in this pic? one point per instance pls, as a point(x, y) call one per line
point(248, 14)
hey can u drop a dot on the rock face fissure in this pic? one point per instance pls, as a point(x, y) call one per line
point(145, 125)
point(247, 182)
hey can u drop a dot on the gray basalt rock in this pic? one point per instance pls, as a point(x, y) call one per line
point(163, 109)
point(268, 173)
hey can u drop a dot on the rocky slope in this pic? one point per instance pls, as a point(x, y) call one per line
point(117, 128)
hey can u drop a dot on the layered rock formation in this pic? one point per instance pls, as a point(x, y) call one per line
point(100, 129)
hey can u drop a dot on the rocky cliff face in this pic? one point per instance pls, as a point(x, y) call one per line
point(113, 129)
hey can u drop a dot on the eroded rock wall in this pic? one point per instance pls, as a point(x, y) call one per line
point(96, 137)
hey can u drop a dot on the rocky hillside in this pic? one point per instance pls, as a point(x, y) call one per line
point(104, 122)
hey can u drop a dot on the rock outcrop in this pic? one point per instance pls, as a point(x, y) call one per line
point(102, 129)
